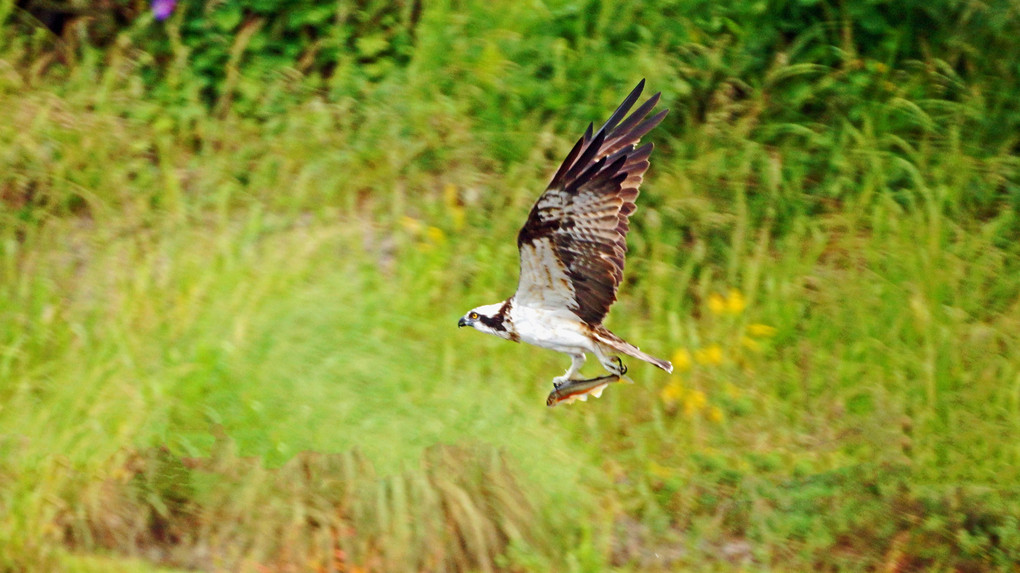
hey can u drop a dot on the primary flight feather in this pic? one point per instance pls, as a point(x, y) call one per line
point(573, 245)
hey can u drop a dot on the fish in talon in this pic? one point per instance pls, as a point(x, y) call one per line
point(580, 389)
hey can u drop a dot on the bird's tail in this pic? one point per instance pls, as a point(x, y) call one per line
point(612, 342)
point(636, 353)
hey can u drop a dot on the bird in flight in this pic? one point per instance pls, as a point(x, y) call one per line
point(572, 250)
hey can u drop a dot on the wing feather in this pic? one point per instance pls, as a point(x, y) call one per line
point(573, 244)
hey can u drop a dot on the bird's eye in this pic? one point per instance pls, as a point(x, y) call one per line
point(473, 316)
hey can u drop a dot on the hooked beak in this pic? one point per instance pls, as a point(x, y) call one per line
point(462, 322)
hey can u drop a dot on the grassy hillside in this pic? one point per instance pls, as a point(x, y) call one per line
point(230, 278)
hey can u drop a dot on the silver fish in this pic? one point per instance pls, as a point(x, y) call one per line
point(579, 389)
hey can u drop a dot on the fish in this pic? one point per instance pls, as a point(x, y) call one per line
point(580, 389)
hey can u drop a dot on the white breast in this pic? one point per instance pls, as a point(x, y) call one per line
point(553, 329)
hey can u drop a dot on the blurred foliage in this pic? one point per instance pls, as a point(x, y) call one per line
point(244, 234)
point(809, 76)
point(814, 58)
point(317, 512)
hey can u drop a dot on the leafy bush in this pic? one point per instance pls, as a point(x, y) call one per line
point(797, 78)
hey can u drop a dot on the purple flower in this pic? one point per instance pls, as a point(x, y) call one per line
point(162, 9)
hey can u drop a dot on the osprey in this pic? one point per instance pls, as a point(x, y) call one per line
point(572, 250)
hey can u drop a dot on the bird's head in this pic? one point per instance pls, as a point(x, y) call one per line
point(489, 319)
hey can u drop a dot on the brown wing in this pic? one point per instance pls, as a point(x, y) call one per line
point(574, 241)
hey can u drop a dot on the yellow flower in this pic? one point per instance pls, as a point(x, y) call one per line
point(450, 196)
point(672, 392)
point(659, 471)
point(436, 235)
point(735, 303)
point(458, 219)
point(694, 402)
point(762, 330)
point(452, 203)
point(681, 360)
point(716, 303)
point(715, 414)
point(410, 224)
point(711, 355)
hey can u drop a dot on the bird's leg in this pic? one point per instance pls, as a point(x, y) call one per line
point(613, 364)
point(576, 362)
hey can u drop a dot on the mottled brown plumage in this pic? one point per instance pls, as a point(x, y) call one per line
point(582, 217)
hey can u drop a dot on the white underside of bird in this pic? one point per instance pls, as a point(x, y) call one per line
point(572, 250)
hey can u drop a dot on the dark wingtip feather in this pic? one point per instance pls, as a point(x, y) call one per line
point(590, 152)
point(608, 165)
point(568, 162)
point(639, 113)
point(642, 129)
point(621, 112)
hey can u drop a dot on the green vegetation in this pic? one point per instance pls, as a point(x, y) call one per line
point(234, 247)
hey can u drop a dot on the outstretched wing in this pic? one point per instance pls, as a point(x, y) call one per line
point(573, 244)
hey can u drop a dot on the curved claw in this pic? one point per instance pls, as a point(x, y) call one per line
point(623, 367)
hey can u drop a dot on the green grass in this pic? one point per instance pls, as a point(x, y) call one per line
point(228, 341)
